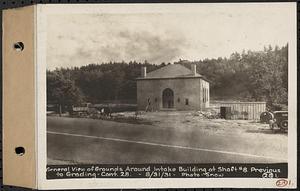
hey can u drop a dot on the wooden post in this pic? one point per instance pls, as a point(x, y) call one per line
point(59, 110)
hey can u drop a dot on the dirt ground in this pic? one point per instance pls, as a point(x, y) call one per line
point(188, 120)
point(162, 137)
point(191, 121)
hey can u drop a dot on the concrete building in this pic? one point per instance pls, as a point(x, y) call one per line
point(173, 87)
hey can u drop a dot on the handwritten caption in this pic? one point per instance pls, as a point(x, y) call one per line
point(167, 171)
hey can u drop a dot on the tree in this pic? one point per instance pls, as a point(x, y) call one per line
point(246, 76)
point(62, 91)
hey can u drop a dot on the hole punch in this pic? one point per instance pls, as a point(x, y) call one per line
point(19, 46)
point(20, 151)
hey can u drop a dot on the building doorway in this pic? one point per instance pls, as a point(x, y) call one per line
point(168, 98)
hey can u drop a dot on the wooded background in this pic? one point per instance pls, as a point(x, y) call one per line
point(246, 76)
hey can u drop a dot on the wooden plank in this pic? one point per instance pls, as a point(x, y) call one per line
point(254, 109)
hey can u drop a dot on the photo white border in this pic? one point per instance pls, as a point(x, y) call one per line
point(42, 11)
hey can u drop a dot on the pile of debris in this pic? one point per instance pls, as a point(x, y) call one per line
point(207, 114)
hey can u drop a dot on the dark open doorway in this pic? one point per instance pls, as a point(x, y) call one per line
point(168, 98)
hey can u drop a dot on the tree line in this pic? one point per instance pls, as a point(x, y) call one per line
point(246, 76)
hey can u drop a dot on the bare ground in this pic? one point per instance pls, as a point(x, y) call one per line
point(184, 130)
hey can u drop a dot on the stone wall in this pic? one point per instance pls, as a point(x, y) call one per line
point(188, 93)
point(205, 94)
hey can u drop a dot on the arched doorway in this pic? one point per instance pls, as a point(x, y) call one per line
point(168, 98)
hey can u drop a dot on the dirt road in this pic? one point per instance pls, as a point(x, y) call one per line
point(171, 137)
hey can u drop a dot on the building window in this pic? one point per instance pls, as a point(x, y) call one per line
point(149, 101)
point(178, 100)
point(155, 99)
point(186, 101)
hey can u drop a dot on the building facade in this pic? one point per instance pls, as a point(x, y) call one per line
point(173, 87)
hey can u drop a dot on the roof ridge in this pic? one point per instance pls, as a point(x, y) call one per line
point(172, 70)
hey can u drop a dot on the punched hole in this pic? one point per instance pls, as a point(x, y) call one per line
point(19, 46)
point(20, 151)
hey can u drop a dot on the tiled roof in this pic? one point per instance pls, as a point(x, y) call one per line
point(172, 71)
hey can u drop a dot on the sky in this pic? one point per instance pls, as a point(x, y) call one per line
point(163, 33)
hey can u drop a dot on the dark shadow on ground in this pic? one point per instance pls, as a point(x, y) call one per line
point(267, 131)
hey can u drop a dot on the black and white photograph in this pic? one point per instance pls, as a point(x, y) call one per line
point(168, 84)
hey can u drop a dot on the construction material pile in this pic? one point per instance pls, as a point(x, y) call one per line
point(207, 114)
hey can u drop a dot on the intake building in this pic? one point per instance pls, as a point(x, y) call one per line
point(173, 87)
